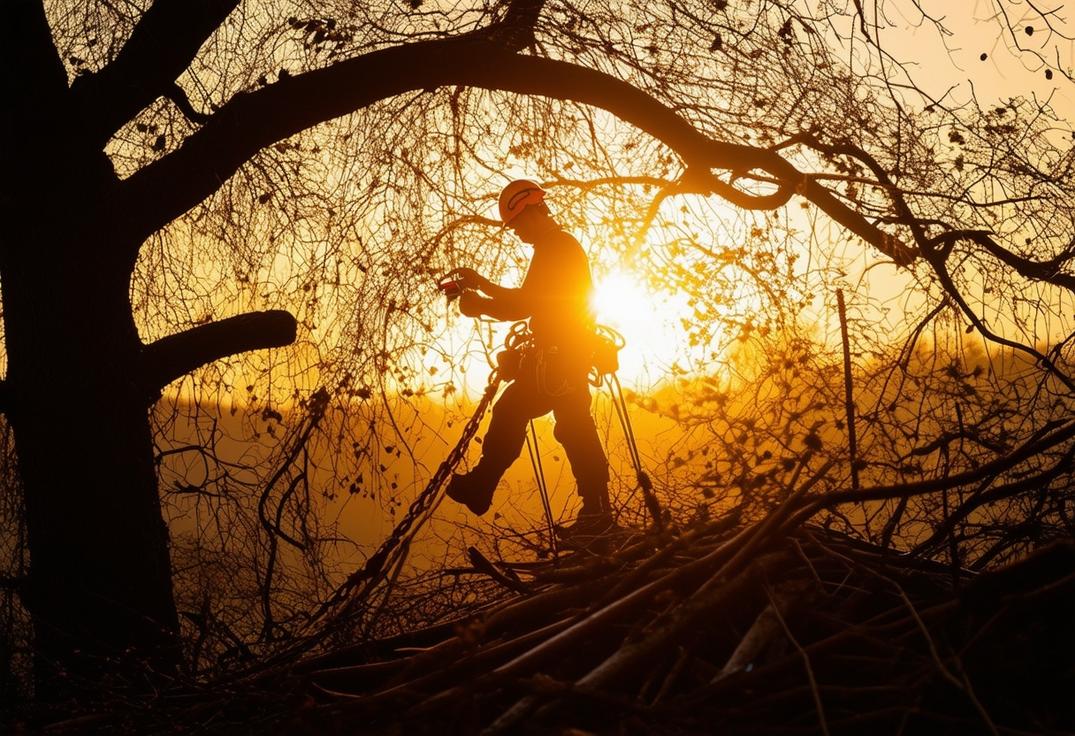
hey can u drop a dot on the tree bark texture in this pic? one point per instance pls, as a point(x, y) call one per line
point(100, 577)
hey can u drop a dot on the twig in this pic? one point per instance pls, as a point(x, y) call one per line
point(963, 684)
point(482, 564)
point(849, 402)
point(806, 662)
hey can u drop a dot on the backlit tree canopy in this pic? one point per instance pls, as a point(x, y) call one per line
point(190, 184)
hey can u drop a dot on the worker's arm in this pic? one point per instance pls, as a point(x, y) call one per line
point(500, 302)
point(505, 307)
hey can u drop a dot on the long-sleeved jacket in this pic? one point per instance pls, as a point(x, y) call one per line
point(555, 295)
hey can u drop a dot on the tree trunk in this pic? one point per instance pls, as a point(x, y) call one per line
point(100, 587)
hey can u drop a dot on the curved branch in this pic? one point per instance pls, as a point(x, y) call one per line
point(1047, 271)
point(171, 357)
point(161, 47)
point(749, 201)
point(179, 98)
point(1037, 482)
point(1038, 444)
point(940, 267)
point(169, 187)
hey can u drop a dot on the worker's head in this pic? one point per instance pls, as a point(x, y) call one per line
point(522, 208)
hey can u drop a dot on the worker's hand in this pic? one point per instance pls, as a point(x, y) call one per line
point(468, 278)
point(470, 304)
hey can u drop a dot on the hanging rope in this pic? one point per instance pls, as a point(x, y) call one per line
point(543, 489)
point(644, 482)
point(361, 583)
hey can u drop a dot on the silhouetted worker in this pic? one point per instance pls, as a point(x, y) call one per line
point(552, 376)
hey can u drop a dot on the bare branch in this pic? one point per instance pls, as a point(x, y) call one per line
point(1030, 449)
point(1047, 271)
point(1035, 482)
point(179, 98)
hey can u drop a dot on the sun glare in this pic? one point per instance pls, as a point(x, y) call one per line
point(647, 321)
point(650, 322)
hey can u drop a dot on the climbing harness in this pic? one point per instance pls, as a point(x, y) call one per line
point(518, 342)
point(606, 354)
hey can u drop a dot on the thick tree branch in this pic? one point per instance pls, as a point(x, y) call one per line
point(176, 355)
point(161, 47)
point(903, 212)
point(172, 185)
point(33, 87)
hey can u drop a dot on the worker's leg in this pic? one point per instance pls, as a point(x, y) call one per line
point(576, 431)
point(503, 442)
point(507, 429)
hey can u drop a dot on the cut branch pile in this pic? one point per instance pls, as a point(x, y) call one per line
point(723, 629)
point(771, 628)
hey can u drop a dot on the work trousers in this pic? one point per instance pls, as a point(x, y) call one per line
point(540, 388)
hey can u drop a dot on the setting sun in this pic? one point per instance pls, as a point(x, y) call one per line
point(648, 322)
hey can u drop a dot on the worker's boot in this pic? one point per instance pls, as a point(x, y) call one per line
point(595, 517)
point(472, 490)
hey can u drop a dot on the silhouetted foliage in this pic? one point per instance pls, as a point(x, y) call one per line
point(196, 183)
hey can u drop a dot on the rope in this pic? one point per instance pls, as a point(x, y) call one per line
point(539, 478)
point(644, 482)
point(392, 552)
point(394, 547)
